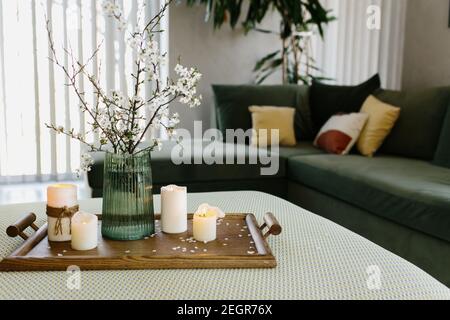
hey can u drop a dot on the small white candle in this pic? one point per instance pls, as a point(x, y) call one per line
point(84, 231)
point(204, 226)
point(173, 209)
point(205, 222)
point(58, 196)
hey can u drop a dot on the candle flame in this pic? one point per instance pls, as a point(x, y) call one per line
point(62, 185)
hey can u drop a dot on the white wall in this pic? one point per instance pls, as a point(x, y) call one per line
point(223, 56)
point(427, 44)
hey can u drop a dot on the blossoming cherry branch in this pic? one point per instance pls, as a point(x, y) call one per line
point(117, 116)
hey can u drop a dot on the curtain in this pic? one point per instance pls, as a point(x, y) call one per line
point(33, 90)
point(351, 52)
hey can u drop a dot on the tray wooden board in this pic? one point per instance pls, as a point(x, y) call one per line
point(240, 243)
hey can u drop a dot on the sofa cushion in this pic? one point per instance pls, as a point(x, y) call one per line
point(442, 155)
point(302, 148)
point(411, 192)
point(328, 100)
point(382, 118)
point(268, 118)
point(416, 132)
point(304, 128)
point(340, 132)
point(232, 102)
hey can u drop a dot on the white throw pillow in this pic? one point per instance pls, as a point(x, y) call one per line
point(340, 132)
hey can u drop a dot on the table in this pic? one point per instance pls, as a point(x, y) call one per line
point(317, 259)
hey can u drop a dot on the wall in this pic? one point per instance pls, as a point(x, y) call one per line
point(223, 56)
point(427, 44)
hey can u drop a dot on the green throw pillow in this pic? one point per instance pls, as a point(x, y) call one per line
point(328, 100)
point(417, 130)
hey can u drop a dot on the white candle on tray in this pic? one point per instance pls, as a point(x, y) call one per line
point(205, 222)
point(173, 209)
point(60, 196)
point(84, 231)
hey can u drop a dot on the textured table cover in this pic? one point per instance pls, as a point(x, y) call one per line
point(317, 259)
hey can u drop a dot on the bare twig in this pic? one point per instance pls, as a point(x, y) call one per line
point(73, 84)
point(71, 134)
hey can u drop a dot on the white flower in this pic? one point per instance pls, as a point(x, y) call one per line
point(122, 25)
point(158, 144)
point(86, 163)
point(205, 208)
point(174, 120)
point(111, 9)
point(186, 85)
point(171, 133)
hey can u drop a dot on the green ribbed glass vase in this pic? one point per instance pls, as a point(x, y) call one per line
point(127, 212)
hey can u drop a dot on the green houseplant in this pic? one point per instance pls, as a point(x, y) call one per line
point(299, 19)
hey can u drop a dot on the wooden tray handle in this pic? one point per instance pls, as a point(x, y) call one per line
point(17, 228)
point(272, 224)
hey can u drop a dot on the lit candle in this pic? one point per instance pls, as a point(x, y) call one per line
point(205, 222)
point(60, 196)
point(84, 231)
point(173, 209)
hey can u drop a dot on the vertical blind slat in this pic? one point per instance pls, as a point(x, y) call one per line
point(66, 90)
point(81, 59)
point(121, 65)
point(51, 80)
point(95, 59)
point(350, 40)
point(3, 135)
point(341, 40)
point(149, 9)
point(163, 39)
point(360, 32)
point(109, 53)
point(383, 57)
point(38, 123)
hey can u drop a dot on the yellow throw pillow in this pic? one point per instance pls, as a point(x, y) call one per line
point(382, 117)
point(265, 117)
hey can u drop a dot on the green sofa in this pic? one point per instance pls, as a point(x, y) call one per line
point(399, 199)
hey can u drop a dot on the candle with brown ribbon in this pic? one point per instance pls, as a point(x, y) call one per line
point(62, 204)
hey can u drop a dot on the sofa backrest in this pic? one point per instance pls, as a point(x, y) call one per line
point(327, 100)
point(422, 130)
point(232, 102)
point(417, 132)
point(442, 155)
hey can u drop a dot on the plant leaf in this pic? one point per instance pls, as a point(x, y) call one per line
point(260, 63)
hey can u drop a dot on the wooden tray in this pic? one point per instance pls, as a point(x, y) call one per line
point(240, 243)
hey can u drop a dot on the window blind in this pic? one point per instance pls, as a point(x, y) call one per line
point(33, 90)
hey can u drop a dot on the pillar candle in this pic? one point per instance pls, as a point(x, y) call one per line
point(204, 226)
point(58, 196)
point(84, 231)
point(173, 209)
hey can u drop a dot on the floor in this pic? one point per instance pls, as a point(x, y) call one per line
point(33, 192)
